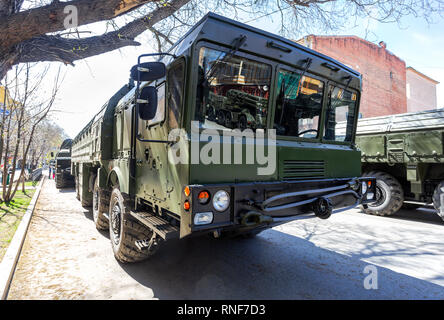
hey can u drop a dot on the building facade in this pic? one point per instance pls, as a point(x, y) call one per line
point(421, 91)
point(384, 75)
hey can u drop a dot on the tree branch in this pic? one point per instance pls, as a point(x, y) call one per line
point(27, 24)
point(56, 48)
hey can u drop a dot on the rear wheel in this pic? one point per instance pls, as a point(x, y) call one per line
point(59, 182)
point(389, 195)
point(438, 199)
point(77, 188)
point(99, 207)
point(125, 230)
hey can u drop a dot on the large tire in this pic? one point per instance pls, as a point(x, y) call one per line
point(389, 195)
point(59, 182)
point(124, 230)
point(100, 206)
point(77, 188)
point(438, 199)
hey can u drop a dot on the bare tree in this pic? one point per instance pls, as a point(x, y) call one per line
point(35, 30)
point(26, 110)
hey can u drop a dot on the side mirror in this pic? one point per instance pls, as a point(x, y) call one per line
point(147, 102)
point(148, 71)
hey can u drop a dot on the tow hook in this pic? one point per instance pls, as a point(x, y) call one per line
point(253, 218)
point(323, 208)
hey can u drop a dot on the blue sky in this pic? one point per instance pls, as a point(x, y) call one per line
point(91, 82)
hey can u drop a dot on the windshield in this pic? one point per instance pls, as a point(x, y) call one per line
point(341, 113)
point(298, 105)
point(232, 91)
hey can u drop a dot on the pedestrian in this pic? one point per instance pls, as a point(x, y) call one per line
point(49, 177)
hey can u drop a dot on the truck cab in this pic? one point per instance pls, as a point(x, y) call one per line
point(231, 132)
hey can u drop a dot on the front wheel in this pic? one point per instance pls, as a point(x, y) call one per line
point(99, 207)
point(389, 195)
point(124, 230)
point(438, 199)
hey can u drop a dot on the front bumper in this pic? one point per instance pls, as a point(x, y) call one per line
point(267, 204)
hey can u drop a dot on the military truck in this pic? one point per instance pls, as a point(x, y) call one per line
point(405, 152)
point(124, 159)
point(63, 176)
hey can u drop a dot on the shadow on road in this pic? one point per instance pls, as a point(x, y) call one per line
point(66, 190)
point(419, 214)
point(274, 265)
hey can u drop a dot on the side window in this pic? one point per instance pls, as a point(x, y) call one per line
point(175, 93)
point(341, 113)
point(298, 105)
point(160, 113)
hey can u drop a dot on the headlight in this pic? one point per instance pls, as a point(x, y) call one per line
point(221, 200)
point(203, 218)
point(364, 187)
point(370, 196)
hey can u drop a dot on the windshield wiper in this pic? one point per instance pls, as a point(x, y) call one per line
point(236, 44)
point(307, 62)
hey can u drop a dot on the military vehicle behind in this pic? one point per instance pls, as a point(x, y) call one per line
point(63, 177)
point(405, 152)
point(121, 159)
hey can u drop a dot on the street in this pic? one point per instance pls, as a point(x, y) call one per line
point(65, 257)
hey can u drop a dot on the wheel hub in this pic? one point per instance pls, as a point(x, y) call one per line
point(380, 197)
point(96, 201)
point(115, 222)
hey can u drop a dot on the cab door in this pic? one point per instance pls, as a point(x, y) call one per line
point(158, 178)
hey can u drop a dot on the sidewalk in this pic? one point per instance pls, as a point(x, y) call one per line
point(65, 257)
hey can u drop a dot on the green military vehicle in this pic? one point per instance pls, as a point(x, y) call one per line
point(142, 163)
point(405, 152)
point(63, 176)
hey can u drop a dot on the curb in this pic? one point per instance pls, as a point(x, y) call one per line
point(7, 266)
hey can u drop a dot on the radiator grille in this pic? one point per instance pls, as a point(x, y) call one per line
point(303, 169)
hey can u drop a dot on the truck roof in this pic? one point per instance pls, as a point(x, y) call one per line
point(412, 121)
point(210, 17)
point(213, 27)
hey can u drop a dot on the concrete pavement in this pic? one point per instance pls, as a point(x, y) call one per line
point(65, 257)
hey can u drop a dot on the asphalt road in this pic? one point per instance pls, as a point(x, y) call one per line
point(65, 257)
